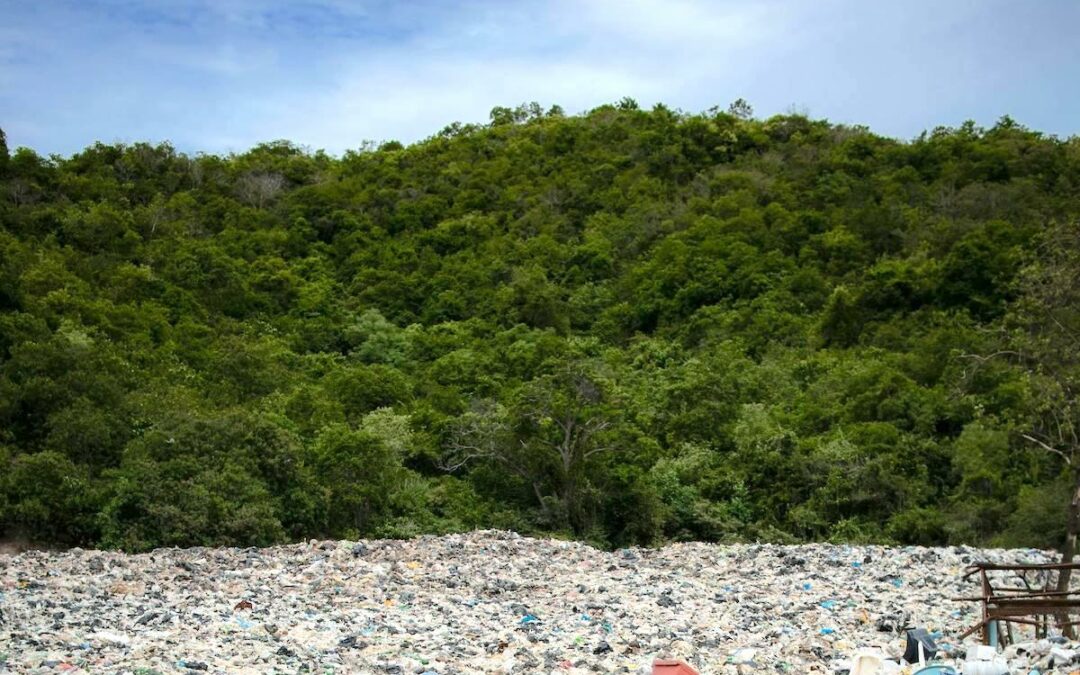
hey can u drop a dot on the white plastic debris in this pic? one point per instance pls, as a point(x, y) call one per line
point(488, 602)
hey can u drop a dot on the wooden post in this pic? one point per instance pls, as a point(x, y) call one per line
point(987, 592)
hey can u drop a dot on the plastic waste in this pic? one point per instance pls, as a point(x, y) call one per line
point(920, 646)
point(506, 602)
point(866, 663)
point(672, 667)
point(995, 667)
point(984, 660)
point(742, 656)
point(1061, 656)
point(982, 653)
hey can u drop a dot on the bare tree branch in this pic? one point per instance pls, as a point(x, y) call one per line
point(1048, 448)
point(598, 450)
point(990, 357)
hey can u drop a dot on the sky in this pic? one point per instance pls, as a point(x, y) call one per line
point(222, 75)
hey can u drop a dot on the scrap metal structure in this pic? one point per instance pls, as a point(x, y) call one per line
point(1036, 603)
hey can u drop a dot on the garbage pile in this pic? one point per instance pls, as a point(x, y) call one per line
point(493, 602)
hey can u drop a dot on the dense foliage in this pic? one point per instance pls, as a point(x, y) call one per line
point(625, 326)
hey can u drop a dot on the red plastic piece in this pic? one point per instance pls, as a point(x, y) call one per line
point(672, 667)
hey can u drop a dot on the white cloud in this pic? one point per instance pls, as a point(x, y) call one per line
point(411, 103)
point(575, 54)
point(651, 23)
point(221, 75)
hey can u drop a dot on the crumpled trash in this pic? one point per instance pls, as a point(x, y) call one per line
point(892, 621)
point(920, 646)
point(490, 602)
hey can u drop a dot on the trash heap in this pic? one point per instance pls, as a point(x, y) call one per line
point(491, 602)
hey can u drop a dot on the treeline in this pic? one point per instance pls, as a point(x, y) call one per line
point(626, 326)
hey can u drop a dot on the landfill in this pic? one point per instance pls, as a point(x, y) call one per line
point(496, 602)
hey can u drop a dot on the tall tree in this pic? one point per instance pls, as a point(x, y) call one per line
point(550, 434)
point(1046, 319)
point(5, 156)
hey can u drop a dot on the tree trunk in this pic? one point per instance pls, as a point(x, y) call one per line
point(1068, 551)
point(540, 500)
point(570, 506)
point(1072, 531)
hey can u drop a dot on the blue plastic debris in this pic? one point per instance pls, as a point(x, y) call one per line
point(192, 665)
point(529, 618)
point(827, 631)
point(828, 604)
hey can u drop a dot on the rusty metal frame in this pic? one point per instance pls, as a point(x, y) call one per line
point(1025, 606)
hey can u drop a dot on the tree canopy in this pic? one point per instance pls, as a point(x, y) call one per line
point(626, 326)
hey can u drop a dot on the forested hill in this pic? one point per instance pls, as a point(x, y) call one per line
point(626, 326)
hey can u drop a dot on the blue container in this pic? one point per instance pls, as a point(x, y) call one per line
point(936, 670)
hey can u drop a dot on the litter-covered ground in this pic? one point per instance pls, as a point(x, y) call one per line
point(486, 602)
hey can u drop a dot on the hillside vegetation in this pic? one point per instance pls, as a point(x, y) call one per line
point(626, 326)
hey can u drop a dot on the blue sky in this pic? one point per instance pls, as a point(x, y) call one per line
point(222, 75)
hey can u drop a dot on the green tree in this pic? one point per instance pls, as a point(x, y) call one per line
point(1046, 344)
point(359, 474)
point(625, 325)
point(559, 425)
point(842, 320)
point(5, 156)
